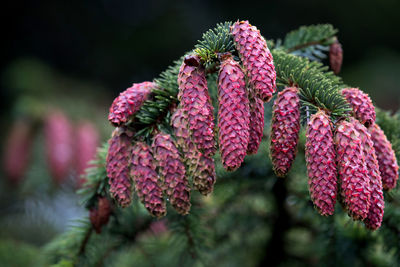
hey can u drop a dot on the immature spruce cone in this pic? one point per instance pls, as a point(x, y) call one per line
point(285, 128)
point(362, 105)
point(200, 166)
point(129, 102)
point(147, 182)
point(179, 122)
point(336, 57)
point(87, 140)
point(386, 157)
point(118, 166)
point(17, 150)
point(100, 215)
point(172, 169)
point(256, 58)
point(351, 163)
point(58, 134)
point(204, 176)
point(321, 165)
point(196, 103)
point(375, 215)
point(233, 114)
point(256, 126)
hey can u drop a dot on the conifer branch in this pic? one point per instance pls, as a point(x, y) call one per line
point(310, 41)
point(319, 88)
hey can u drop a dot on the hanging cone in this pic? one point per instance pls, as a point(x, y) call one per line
point(200, 166)
point(100, 215)
point(375, 215)
point(285, 127)
point(353, 176)
point(118, 166)
point(233, 114)
point(129, 102)
point(363, 108)
point(172, 169)
point(321, 166)
point(386, 157)
point(336, 57)
point(196, 103)
point(256, 126)
point(256, 59)
point(147, 182)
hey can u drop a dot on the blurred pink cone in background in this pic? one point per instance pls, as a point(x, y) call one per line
point(58, 135)
point(17, 150)
point(86, 142)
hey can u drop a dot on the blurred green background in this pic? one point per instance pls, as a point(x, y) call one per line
point(78, 55)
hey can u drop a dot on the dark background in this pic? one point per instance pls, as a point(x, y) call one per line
point(115, 43)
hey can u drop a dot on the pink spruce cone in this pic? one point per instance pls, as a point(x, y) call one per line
point(285, 127)
point(147, 182)
point(256, 58)
point(87, 140)
point(256, 126)
point(17, 150)
point(200, 166)
point(205, 176)
point(118, 166)
point(233, 114)
point(172, 169)
point(375, 215)
point(353, 175)
point(321, 165)
point(179, 122)
point(59, 146)
point(336, 57)
point(196, 103)
point(386, 157)
point(100, 215)
point(129, 102)
point(362, 105)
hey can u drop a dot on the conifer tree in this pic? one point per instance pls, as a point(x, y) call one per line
point(169, 134)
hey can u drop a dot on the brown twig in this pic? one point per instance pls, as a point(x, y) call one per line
point(85, 240)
